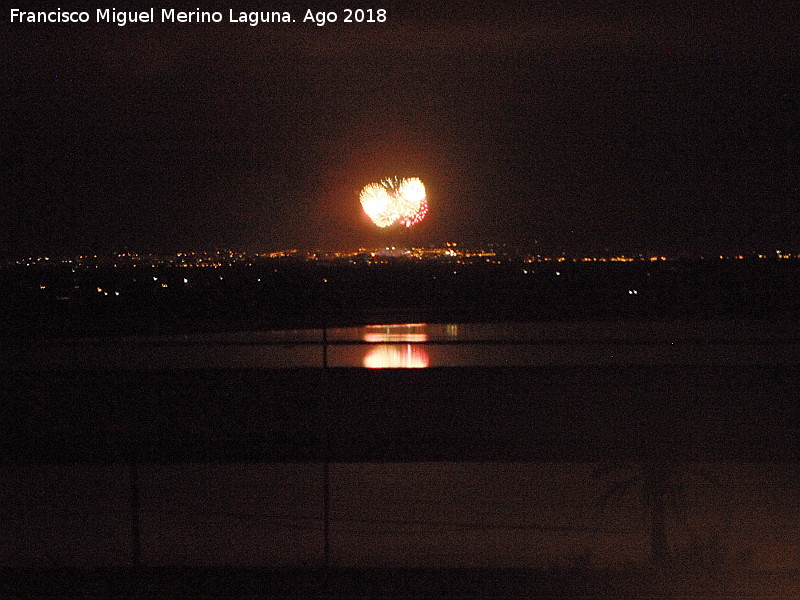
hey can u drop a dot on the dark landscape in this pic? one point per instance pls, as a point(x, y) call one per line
point(678, 427)
point(400, 300)
point(59, 299)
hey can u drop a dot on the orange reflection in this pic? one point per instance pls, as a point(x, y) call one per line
point(407, 332)
point(396, 356)
point(395, 337)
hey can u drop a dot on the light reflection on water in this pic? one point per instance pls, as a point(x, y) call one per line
point(405, 356)
point(405, 332)
point(420, 345)
point(396, 355)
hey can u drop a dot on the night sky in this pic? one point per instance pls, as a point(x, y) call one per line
point(571, 128)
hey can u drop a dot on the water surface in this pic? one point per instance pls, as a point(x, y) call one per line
point(422, 345)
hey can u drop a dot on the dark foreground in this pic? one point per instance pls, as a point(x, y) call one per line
point(565, 413)
point(388, 583)
point(658, 415)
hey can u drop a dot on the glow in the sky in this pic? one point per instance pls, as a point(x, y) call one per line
point(395, 200)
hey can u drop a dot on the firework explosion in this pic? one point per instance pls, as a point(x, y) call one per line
point(395, 200)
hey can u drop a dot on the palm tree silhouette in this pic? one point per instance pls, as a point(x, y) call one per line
point(660, 488)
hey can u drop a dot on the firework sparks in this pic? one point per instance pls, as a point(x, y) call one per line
point(395, 200)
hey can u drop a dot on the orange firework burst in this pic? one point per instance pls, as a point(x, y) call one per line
point(395, 200)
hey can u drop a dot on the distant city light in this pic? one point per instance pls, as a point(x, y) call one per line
point(450, 252)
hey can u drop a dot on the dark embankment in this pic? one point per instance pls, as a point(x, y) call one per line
point(553, 413)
